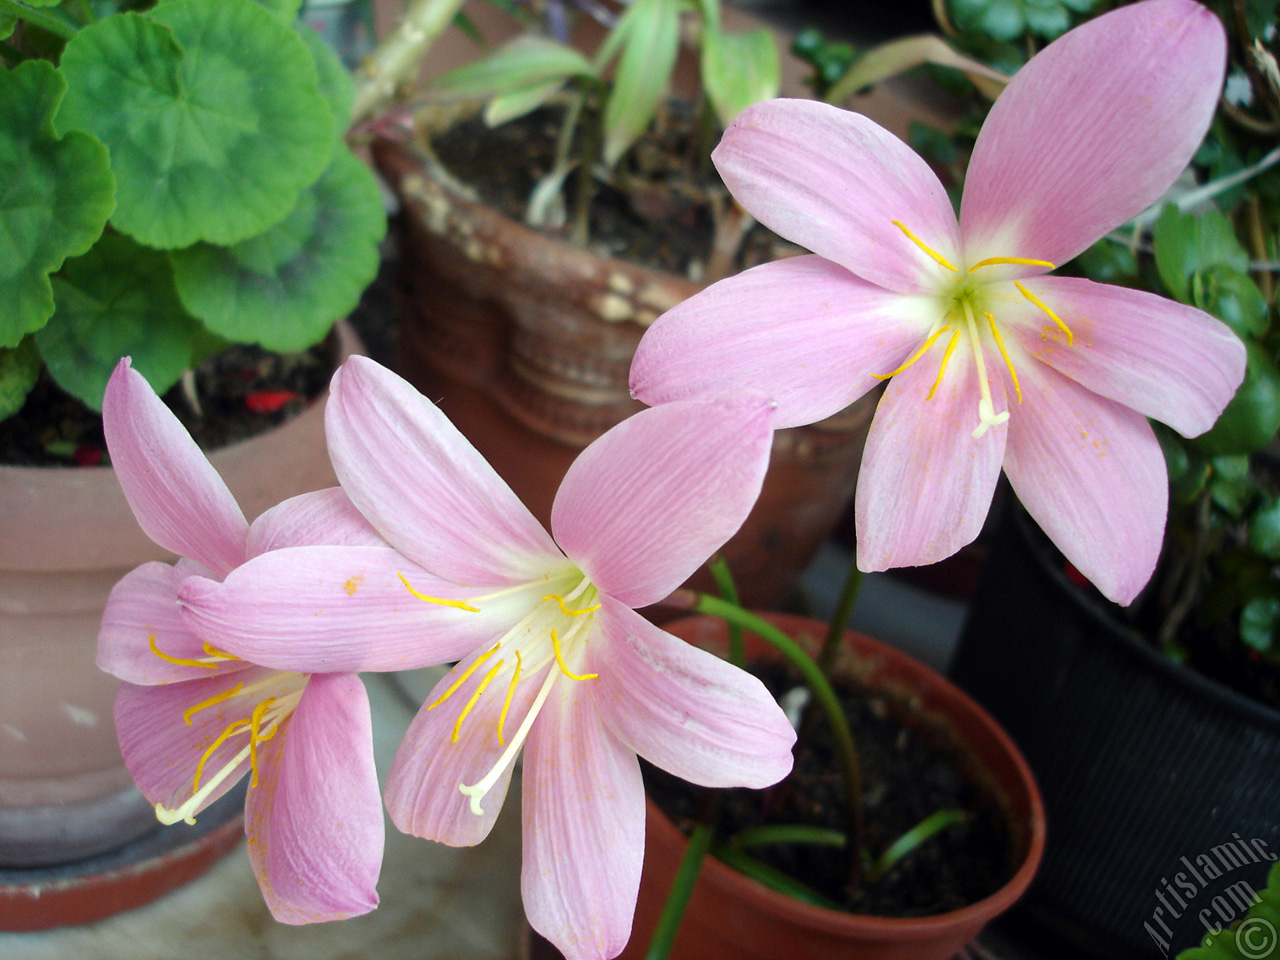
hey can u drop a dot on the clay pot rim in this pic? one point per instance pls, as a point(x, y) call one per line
point(895, 928)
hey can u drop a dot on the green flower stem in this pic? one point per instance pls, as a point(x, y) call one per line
point(933, 824)
point(827, 702)
point(54, 21)
point(779, 833)
point(664, 934)
point(840, 617)
point(729, 590)
point(395, 60)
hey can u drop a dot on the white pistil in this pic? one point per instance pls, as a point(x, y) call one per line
point(476, 792)
point(986, 409)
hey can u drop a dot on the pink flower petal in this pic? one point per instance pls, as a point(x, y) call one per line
point(323, 517)
point(583, 824)
point(647, 503)
point(422, 792)
point(804, 330)
point(1092, 131)
point(1092, 475)
point(314, 820)
point(424, 487)
point(336, 610)
point(180, 501)
point(1168, 361)
point(683, 709)
point(926, 483)
point(835, 182)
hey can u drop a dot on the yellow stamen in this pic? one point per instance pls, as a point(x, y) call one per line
point(937, 257)
point(463, 679)
point(484, 682)
point(555, 644)
point(946, 358)
point(458, 604)
point(1052, 316)
point(178, 660)
point(216, 698)
point(565, 610)
point(511, 692)
point(238, 727)
point(213, 651)
point(1019, 261)
point(995, 333)
point(914, 357)
point(255, 737)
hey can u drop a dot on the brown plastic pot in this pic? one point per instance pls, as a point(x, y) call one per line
point(732, 917)
point(66, 536)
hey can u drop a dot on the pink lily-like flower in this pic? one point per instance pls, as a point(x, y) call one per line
point(992, 362)
point(555, 659)
point(193, 719)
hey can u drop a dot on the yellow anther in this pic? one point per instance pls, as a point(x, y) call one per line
point(463, 679)
point(238, 727)
point(484, 682)
point(255, 737)
point(1052, 316)
point(458, 604)
point(933, 254)
point(213, 651)
point(511, 692)
point(216, 698)
point(1019, 261)
point(178, 660)
point(565, 610)
point(995, 335)
point(946, 358)
point(555, 644)
point(914, 357)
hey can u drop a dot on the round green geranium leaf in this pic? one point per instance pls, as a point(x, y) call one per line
point(335, 81)
point(285, 288)
point(19, 371)
point(212, 112)
point(116, 300)
point(55, 196)
point(7, 22)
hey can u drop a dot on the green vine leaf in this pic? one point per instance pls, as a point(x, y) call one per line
point(1252, 417)
point(19, 371)
point(56, 196)
point(212, 112)
point(117, 299)
point(285, 288)
point(1186, 243)
point(1006, 20)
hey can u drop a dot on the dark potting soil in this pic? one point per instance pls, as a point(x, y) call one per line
point(911, 768)
point(655, 212)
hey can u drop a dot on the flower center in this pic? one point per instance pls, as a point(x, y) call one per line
point(550, 637)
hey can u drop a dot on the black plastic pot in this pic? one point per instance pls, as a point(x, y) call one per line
point(1154, 777)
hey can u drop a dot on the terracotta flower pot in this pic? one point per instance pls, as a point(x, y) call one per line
point(732, 917)
point(526, 343)
point(66, 536)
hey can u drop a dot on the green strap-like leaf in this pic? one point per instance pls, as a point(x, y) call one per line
point(644, 71)
point(212, 112)
point(517, 103)
point(116, 300)
point(19, 371)
point(55, 196)
point(526, 61)
point(739, 69)
point(285, 288)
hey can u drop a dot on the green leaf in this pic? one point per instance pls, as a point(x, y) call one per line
point(1252, 417)
point(286, 10)
point(212, 112)
point(526, 61)
point(997, 19)
point(739, 69)
point(285, 288)
point(336, 85)
point(1259, 623)
point(644, 70)
point(517, 103)
point(19, 371)
point(57, 195)
point(7, 22)
point(1264, 530)
point(1232, 297)
point(1260, 15)
point(1186, 243)
point(116, 300)
point(1230, 485)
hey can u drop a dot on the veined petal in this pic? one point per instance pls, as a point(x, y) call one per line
point(926, 483)
point(805, 331)
point(180, 501)
point(325, 517)
point(142, 610)
point(337, 610)
point(683, 709)
point(314, 821)
point(422, 792)
point(835, 182)
point(1092, 131)
point(648, 502)
point(583, 824)
point(1091, 473)
point(1168, 361)
point(424, 487)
